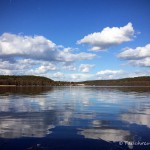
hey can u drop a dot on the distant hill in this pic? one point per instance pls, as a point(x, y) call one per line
point(43, 81)
point(136, 81)
point(25, 80)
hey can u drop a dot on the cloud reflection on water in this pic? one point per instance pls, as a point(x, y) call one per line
point(27, 115)
point(134, 117)
point(19, 127)
point(114, 135)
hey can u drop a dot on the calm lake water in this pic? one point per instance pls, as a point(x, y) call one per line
point(75, 118)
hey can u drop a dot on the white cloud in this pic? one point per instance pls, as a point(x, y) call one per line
point(80, 77)
point(85, 67)
point(108, 37)
point(145, 62)
point(36, 55)
point(139, 52)
point(41, 69)
point(5, 72)
point(110, 74)
point(26, 66)
point(74, 77)
point(58, 75)
point(47, 68)
point(105, 74)
point(69, 57)
point(16, 67)
point(9, 66)
point(37, 47)
point(139, 56)
point(70, 67)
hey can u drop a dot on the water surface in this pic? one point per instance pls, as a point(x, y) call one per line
point(80, 118)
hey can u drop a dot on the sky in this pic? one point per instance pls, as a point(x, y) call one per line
point(75, 40)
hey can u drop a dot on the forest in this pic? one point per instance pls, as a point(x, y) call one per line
point(136, 81)
point(11, 80)
point(25, 80)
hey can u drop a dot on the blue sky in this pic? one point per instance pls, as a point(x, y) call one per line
point(75, 40)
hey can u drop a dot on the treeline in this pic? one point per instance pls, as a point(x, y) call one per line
point(26, 80)
point(43, 81)
point(136, 81)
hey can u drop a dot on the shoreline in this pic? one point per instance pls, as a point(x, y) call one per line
point(8, 85)
point(78, 86)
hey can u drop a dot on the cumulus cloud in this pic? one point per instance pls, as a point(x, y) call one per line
point(69, 57)
point(42, 69)
point(15, 67)
point(108, 37)
point(139, 56)
point(85, 67)
point(69, 66)
point(26, 67)
point(139, 52)
point(36, 55)
point(110, 74)
point(38, 48)
point(58, 75)
point(145, 62)
point(80, 77)
point(105, 74)
point(74, 77)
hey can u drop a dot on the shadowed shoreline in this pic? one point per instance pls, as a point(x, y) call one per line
point(6, 80)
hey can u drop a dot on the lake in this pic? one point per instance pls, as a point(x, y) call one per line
point(74, 118)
